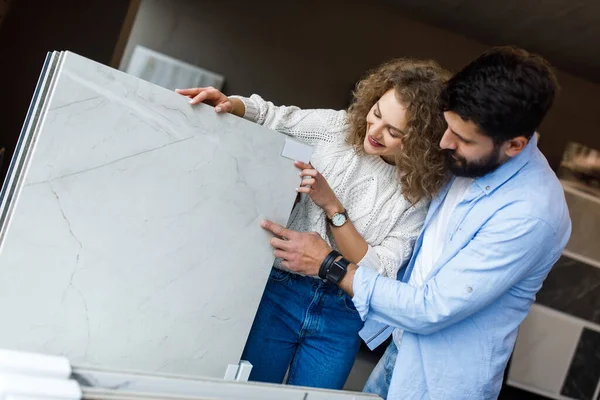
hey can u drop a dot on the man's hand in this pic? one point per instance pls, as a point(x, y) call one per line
point(301, 252)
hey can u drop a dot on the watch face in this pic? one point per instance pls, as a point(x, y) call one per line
point(337, 271)
point(338, 219)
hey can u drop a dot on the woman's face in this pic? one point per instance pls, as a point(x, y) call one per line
point(386, 123)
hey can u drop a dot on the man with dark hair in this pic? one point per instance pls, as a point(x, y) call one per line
point(489, 240)
point(505, 94)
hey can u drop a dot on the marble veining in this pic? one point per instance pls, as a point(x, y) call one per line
point(584, 373)
point(134, 242)
point(573, 287)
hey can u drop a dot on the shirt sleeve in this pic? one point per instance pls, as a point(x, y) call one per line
point(502, 253)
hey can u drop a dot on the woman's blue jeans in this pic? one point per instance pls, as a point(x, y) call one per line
point(308, 325)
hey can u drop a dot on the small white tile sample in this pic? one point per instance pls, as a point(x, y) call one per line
point(297, 151)
point(134, 242)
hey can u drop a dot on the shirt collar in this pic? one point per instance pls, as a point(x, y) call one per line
point(489, 182)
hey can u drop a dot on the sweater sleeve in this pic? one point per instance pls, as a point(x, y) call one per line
point(396, 249)
point(310, 126)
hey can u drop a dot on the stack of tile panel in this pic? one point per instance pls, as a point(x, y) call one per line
point(129, 224)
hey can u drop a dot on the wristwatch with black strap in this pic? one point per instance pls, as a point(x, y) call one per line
point(334, 267)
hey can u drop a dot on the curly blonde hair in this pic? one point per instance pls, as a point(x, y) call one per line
point(418, 85)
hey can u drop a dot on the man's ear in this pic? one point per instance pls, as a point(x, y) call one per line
point(514, 146)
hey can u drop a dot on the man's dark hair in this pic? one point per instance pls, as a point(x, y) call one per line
point(506, 92)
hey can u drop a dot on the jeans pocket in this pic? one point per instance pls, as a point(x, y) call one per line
point(279, 276)
point(348, 303)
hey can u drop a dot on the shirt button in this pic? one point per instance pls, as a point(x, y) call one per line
point(487, 188)
point(469, 289)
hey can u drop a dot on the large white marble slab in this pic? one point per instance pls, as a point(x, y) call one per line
point(102, 383)
point(133, 241)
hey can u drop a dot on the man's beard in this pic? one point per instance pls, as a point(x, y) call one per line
point(459, 166)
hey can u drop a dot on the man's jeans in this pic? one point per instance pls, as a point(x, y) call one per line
point(381, 377)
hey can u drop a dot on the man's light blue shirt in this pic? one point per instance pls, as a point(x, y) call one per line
point(461, 325)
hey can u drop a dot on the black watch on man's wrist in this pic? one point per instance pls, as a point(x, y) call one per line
point(327, 262)
point(337, 270)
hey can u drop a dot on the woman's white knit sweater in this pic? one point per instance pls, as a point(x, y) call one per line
point(366, 185)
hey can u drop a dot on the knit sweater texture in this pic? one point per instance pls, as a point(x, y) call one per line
point(367, 186)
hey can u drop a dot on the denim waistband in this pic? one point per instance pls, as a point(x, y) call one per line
point(316, 282)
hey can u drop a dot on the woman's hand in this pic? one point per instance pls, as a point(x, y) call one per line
point(315, 185)
point(213, 97)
